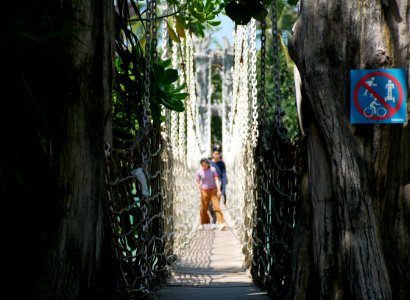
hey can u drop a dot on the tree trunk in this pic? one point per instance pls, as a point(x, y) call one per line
point(59, 62)
point(356, 204)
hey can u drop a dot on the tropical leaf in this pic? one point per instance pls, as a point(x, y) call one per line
point(163, 90)
point(166, 63)
point(181, 96)
point(170, 76)
point(289, 61)
point(174, 37)
point(180, 26)
point(214, 23)
point(287, 18)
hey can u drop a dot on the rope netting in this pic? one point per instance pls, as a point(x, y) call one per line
point(278, 179)
point(240, 141)
point(151, 186)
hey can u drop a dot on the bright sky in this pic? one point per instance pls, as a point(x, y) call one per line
point(225, 29)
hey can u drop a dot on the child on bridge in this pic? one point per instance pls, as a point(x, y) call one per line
point(209, 188)
point(219, 165)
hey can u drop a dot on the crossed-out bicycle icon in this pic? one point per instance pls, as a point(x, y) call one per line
point(372, 110)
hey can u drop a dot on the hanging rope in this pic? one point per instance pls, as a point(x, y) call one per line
point(242, 136)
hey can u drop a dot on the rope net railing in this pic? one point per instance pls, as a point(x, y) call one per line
point(151, 186)
point(240, 141)
point(278, 180)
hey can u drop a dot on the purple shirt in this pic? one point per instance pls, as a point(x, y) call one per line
point(207, 178)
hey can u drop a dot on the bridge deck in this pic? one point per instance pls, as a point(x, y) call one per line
point(212, 269)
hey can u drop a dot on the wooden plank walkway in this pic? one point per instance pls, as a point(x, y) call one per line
point(212, 269)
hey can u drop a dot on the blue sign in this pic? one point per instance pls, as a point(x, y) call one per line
point(378, 96)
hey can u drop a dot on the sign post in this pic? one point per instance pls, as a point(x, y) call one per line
point(378, 96)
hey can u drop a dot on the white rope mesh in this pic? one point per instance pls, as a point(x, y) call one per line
point(186, 140)
point(174, 115)
point(184, 144)
point(242, 138)
point(193, 150)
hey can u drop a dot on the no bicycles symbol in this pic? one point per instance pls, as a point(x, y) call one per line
point(378, 96)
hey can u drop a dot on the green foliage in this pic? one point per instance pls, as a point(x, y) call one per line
point(216, 81)
point(288, 100)
point(216, 121)
point(216, 130)
point(286, 16)
point(127, 87)
point(163, 91)
point(288, 103)
point(129, 77)
point(128, 84)
point(198, 15)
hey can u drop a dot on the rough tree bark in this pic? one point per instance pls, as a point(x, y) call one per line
point(353, 228)
point(59, 62)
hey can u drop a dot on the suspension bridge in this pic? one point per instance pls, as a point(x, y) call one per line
point(152, 192)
